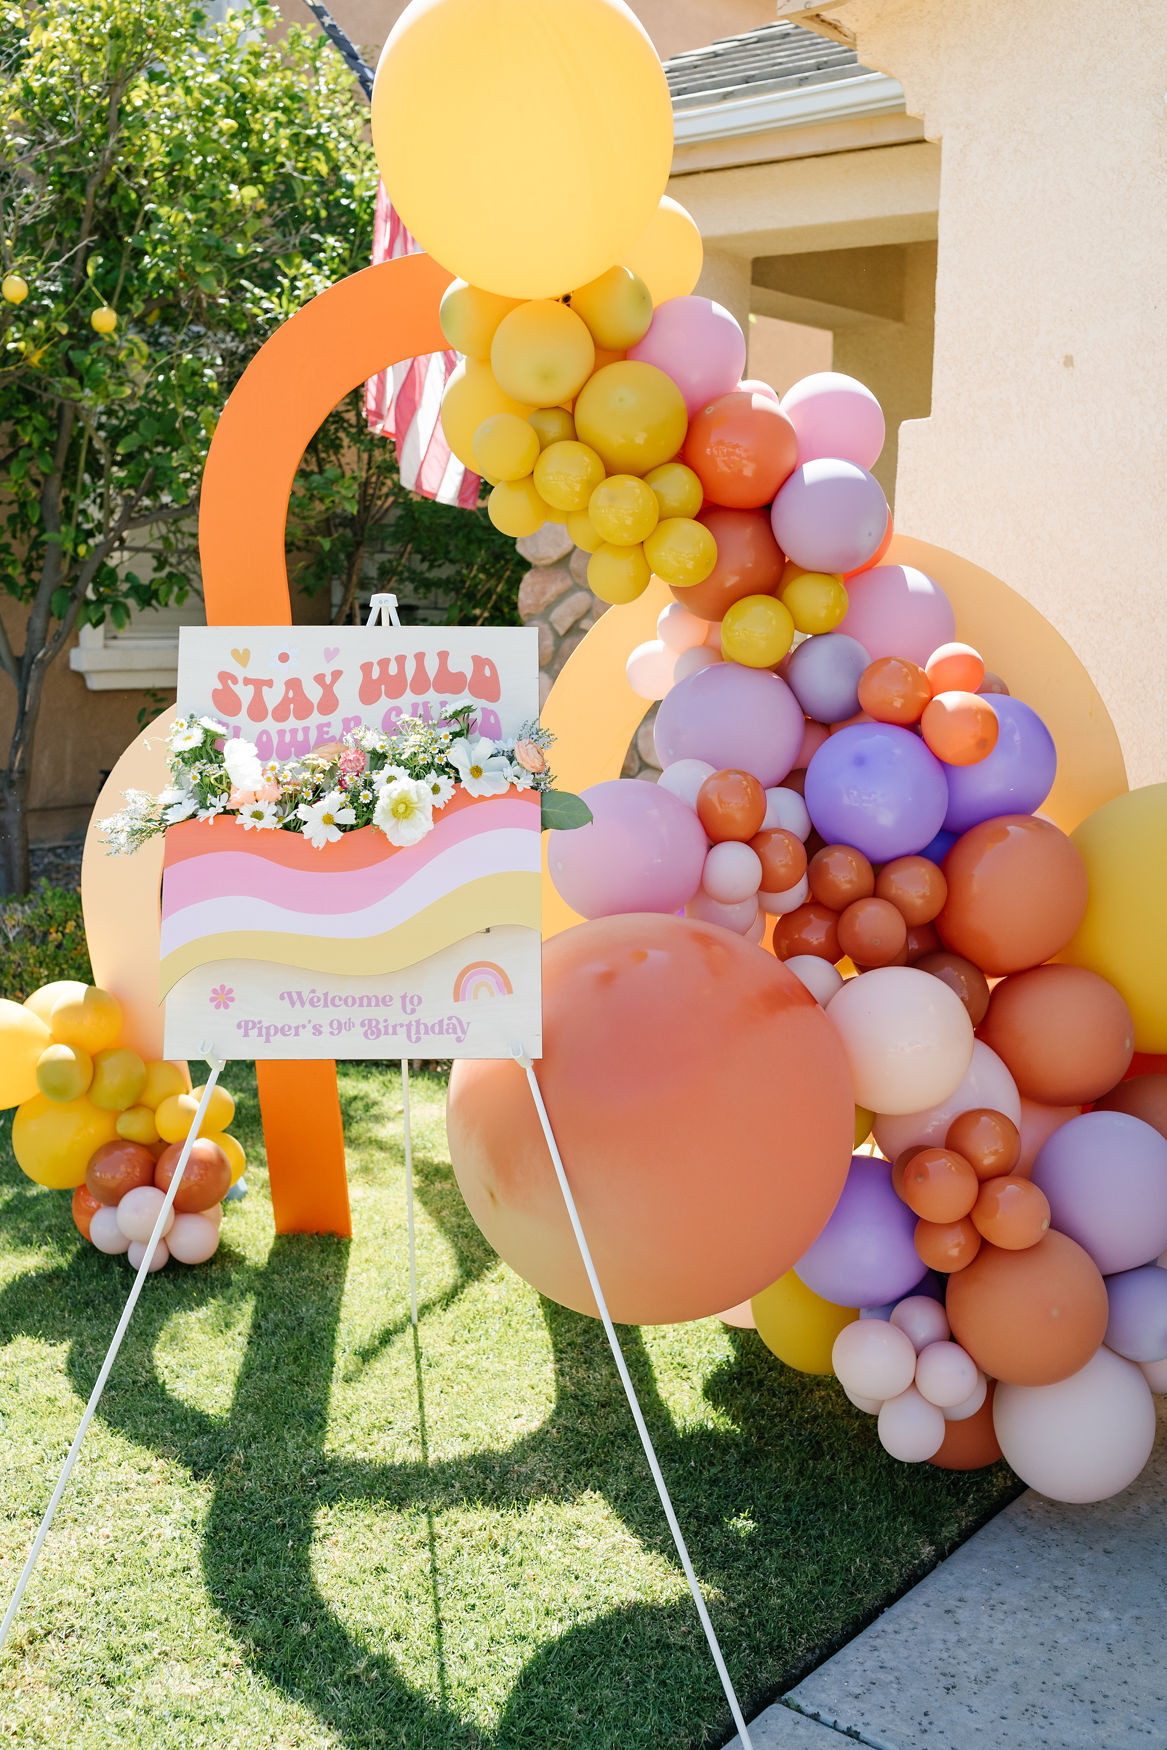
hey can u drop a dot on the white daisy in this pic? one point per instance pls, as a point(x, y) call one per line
point(215, 728)
point(482, 771)
point(521, 778)
point(187, 733)
point(259, 814)
point(212, 811)
point(324, 819)
point(440, 787)
point(181, 810)
point(404, 811)
point(391, 775)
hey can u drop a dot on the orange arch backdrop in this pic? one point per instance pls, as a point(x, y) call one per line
point(344, 336)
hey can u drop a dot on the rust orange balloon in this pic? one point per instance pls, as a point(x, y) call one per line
point(741, 447)
point(1012, 1212)
point(205, 1181)
point(749, 562)
point(872, 932)
point(1142, 1097)
point(839, 875)
point(894, 690)
point(938, 1185)
point(118, 1167)
point(922, 940)
point(960, 975)
point(1030, 1317)
point(1017, 891)
point(960, 728)
point(915, 886)
point(809, 929)
point(85, 1207)
point(989, 1141)
point(947, 1246)
point(972, 1443)
point(1064, 1034)
point(783, 858)
point(731, 805)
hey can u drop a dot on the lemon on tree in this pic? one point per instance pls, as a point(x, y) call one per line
point(505, 447)
point(632, 415)
point(617, 308)
point(13, 289)
point(623, 510)
point(542, 353)
point(567, 474)
point(104, 320)
point(668, 254)
point(469, 317)
point(681, 550)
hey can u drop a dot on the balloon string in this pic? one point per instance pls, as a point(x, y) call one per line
point(111, 1356)
point(634, 1404)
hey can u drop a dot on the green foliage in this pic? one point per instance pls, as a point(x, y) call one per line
point(44, 939)
point(563, 811)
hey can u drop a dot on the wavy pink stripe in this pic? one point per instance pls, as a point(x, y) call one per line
point(236, 874)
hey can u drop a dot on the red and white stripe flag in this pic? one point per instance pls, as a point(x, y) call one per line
point(405, 401)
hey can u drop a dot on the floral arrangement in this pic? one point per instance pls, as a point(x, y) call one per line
point(395, 783)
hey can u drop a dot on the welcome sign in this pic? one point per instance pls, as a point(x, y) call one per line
point(272, 948)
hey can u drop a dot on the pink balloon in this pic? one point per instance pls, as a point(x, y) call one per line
point(969, 1406)
point(193, 1239)
point(679, 629)
point(986, 1083)
point(873, 1359)
point(105, 1233)
point(921, 1318)
point(1154, 1372)
point(906, 1045)
point(830, 516)
point(650, 669)
point(787, 808)
point(835, 415)
point(757, 929)
point(778, 904)
point(699, 345)
point(684, 778)
point(813, 737)
point(138, 1211)
point(739, 918)
point(1038, 1123)
point(755, 386)
point(741, 1317)
point(136, 1251)
point(946, 1374)
point(895, 610)
point(643, 851)
point(732, 873)
point(693, 660)
point(1085, 1438)
point(741, 719)
point(911, 1428)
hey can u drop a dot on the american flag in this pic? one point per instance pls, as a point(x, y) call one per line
point(405, 401)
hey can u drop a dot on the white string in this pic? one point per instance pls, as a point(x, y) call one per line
point(409, 1189)
point(634, 1405)
point(111, 1356)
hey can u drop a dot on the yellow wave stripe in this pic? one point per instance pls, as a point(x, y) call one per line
point(493, 900)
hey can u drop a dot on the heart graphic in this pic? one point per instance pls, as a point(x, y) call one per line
point(242, 657)
point(332, 652)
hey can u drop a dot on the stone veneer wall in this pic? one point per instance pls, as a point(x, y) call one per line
point(554, 596)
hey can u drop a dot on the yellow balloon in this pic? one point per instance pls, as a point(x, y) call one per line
point(469, 317)
point(53, 1143)
point(668, 254)
point(136, 1124)
point(567, 474)
point(632, 415)
point(516, 509)
point(506, 447)
point(681, 551)
point(174, 1116)
point(756, 631)
point(1123, 937)
point(579, 527)
point(618, 574)
point(162, 1080)
point(623, 510)
point(220, 1109)
point(817, 601)
point(552, 425)
point(93, 1020)
point(118, 1079)
point(542, 353)
point(526, 144)
point(41, 1001)
point(617, 308)
point(64, 1072)
point(23, 1037)
point(864, 1123)
point(678, 490)
point(471, 396)
point(799, 1326)
point(232, 1148)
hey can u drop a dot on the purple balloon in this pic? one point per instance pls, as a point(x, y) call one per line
point(738, 719)
point(929, 1286)
point(877, 787)
point(866, 1255)
point(829, 515)
point(1015, 778)
point(938, 848)
point(1105, 1175)
point(1138, 1314)
point(644, 850)
point(823, 674)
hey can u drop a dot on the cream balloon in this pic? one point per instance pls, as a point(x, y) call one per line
point(821, 979)
point(1085, 1438)
point(970, 1405)
point(136, 1251)
point(910, 1428)
point(873, 1359)
point(778, 904)
point(650, 669)
point(685, 777)
point(946, 1374)
point(907, 1037)
point(787, 809)
point(986, 1083)
point(921, 1319)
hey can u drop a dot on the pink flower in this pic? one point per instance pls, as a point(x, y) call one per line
point(353, 762)
point(222, 997)
point(530, 757)
point(242, 798)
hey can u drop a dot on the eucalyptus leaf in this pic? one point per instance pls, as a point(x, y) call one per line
point(562, 811)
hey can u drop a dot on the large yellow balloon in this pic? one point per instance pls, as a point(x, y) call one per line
point(632, 415)
point(799, 1326)
point(53, 1143)
point(526, 143)
point(542, 353)
point(41, 1001)
point(472, 396)
point(23, 1036)
point(1124, 933)
point(668, 254)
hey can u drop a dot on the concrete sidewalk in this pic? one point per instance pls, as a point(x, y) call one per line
point(1045, 1631)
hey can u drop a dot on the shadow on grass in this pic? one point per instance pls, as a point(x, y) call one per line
point(793, 1530)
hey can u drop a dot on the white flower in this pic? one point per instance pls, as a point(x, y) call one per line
point(391, 775)
point(259, 814)
point(482, 771)
point(404, 811)
point(211, 812)
point(242, 763)
point(215, 728)
point(439, 786)
point(181, 810)
point(187, 733)
point(167, 798)
point(324, 819)
point(521, 778)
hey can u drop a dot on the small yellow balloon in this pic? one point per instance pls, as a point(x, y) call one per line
point(681, 551)
point(1124, 847)
point(136, 1124)
point(93, 1020)
point(552, 425)
point(220, 1109)
point(623, 510)
point(678, 490)
point(174, 1116)
point(63, 1073)
point(469, 317)
point(617, 308)
point(542, 353)
point(516, 509)
point(797, 1325)
point(567, 474)
point(162, 1080)
point(864, 1124)
point(632, 415)
point(13, 289)
point(23, 1038)
point(104, 320)
point(472, 395)
point(618, 574)
point(118, 1079)
point(817, 601)
point(232, 1148)
point(756, 631)
point(584, 535)
point(41, 1001)
point(53, 1143)
point(506, 447)
point(668, 254)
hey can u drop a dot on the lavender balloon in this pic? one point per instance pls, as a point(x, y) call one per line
point(823, 674)
point(644, 850)
point(1138, 1314)
point(877, 787)
point(829, 515)
point(743, 719)
point(1015, 778)
point(866, 1255)
point(1105, 1174)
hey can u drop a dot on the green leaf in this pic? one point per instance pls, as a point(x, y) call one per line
point(561, 811)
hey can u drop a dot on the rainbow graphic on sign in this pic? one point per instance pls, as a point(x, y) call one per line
point(482, 978)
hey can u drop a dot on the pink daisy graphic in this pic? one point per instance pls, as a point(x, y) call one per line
point(222, 996)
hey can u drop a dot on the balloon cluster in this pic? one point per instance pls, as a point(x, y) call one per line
point(93, 1117)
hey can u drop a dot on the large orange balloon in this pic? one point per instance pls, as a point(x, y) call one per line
point(749, 562)
point(741, 447)
point(1143, 1097)
point(1030, 1317)
point(701, 1101)
point(972, 1443)
point(1064, 1034)
point(1016, 893)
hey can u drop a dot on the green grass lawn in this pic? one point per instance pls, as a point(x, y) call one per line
point(293, 1525)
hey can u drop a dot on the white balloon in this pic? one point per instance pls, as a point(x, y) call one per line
point(946, 1374)
point(821, 979)
point(732, 872)
point(790, 900)
point(690, 661)
point(739, 918)
point(138, 1211)
point(1154, 1372)
point(970, 1405)
point(986, 1083)
point(650, 669)
point(907, 1038)
point(685, 777)
point(869, 1406)
point(911, 1428)
point(105, 1233)
point(1085, 1438)
point(873, 1359)
point(922, 1319)
point(680, 630)
point(786, 808)
point(136, 1251)
point(194, 1239)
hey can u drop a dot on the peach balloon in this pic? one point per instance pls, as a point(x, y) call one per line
point(1082, 1438)
point(1011, 1212)
point(960, 728)
point(908, 1039)
point(136, 1251)
point(893, 690)
point(915, 886)
point(193, 1239)
point(945, 1374)
point(1017, 891)
point(104, 1232)
point(873, 1359)
point(1065, 1033)
point(911, 1428)
point(989, 1141)
point(1030, 1317)
point(959, 974)
point(922, 1319)
point(986, 1083)
point(938, 1185)
point(955, 668)
point(1037, 1124)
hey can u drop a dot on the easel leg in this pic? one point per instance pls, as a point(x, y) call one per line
point(408, 1138)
